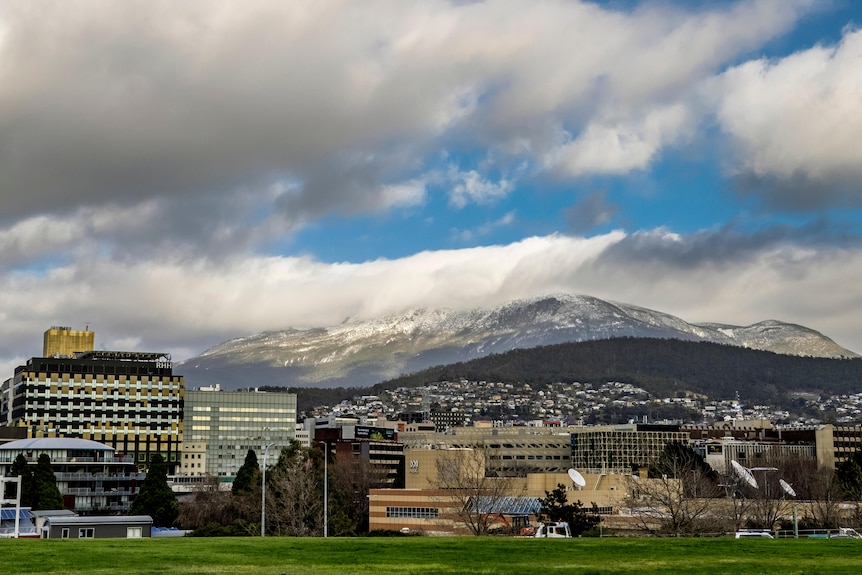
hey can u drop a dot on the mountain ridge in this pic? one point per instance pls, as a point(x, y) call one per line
point(364, 352)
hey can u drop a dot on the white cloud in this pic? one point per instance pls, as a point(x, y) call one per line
point(622, 147)
point(183, 306)
point(471, 187)
point(797, 117)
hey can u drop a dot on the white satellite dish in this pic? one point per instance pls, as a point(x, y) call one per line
point(743, 473)
point(787, 488)
point(576, 477)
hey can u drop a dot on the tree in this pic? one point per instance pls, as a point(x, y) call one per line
point(22, 468)
point(354, 477)
point(679, 493)
point(45, 492)
point(475, 494)
point(156, 498)
point(294, 503)
point(556, 507)
point(248, 476)
point(213, 512)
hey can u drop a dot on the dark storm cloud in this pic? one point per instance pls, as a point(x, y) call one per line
point(799, 192)
point(728, 247)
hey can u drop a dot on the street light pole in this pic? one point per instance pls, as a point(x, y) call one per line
point(263, 492)
point(325, 488)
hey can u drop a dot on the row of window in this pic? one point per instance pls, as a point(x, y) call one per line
point(413, 512)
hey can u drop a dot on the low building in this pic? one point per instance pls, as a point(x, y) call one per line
point(111, 527)
point(91, 476)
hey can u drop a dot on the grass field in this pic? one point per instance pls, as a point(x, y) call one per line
point(428, 556)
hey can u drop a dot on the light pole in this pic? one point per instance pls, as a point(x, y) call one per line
point(263, 492)
point(325, 488)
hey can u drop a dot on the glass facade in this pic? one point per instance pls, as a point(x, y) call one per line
point(221, 426)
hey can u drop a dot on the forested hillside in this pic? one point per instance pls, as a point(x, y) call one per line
point(663, 367)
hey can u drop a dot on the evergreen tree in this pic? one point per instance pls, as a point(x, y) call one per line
point(155, 497)
point(556, 507)
point(22, 468)
point(248, 476)
point(849, 476)
point(45, 493)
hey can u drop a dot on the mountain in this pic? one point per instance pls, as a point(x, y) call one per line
point(364, 352)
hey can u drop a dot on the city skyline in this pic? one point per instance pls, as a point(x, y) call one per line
point(174, 176)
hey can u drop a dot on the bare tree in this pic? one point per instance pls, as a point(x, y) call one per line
point(472, 490)
point(731, 512)
point(678, 504)
point(767, 501)
point(294, 493)
point(679, 494)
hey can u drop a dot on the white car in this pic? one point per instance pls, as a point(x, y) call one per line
point(753, 535)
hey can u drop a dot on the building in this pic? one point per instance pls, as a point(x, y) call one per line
point(374, 451)
point(719, 453)
point(628, 447)
point(424, 506)
point(65, 342)
point(109, 527)
point(91, 477)
point(511, 450)
point(131, 401)
point(220, 428)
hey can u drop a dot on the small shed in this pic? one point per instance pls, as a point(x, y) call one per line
point(97, 527)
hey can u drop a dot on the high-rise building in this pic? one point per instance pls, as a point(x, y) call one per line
point(64, 341)
point(131, 401)
point(221, 426)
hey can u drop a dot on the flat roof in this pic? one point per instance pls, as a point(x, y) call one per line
point(44, 443)
point(99, 519)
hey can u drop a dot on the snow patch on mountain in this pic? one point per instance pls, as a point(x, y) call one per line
point(363, 352)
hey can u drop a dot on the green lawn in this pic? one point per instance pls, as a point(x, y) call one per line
point(429, 556)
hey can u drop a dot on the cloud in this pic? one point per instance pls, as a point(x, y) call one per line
point(591, 211)
point(470, 235)
point(145, 100)
point(794, 123)
point(184, 306)
point(471, 187)
point(619, 148)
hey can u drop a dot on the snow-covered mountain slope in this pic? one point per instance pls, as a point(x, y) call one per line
point(359, 353)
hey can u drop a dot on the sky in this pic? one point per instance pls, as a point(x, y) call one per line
point(173, 175)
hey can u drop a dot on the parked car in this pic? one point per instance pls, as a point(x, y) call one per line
point(753, 535)
point(554, 529)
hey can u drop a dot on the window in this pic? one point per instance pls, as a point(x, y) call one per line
point(86, 533)
point(64, 533)
point(412, 512)
point(133, 533)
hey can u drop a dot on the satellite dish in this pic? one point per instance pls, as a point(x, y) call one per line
point(787, 488)
point(576, 477)
point(743, 473)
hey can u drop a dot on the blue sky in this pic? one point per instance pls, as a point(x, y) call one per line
point(178, 175)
